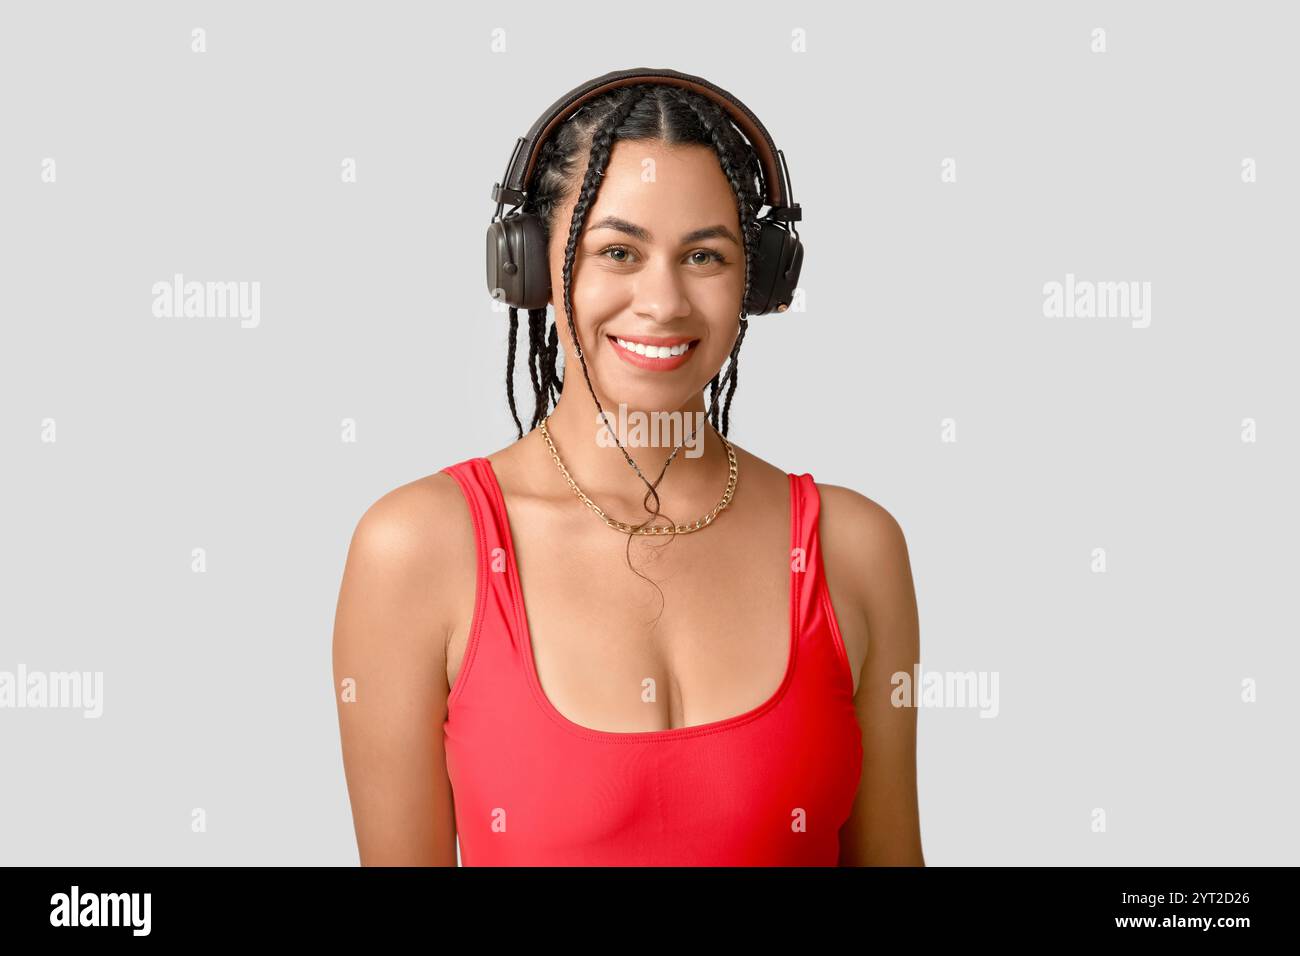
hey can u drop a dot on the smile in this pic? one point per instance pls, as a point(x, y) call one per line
point(654, 354)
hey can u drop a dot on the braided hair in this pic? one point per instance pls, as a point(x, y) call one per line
point(646, 111)
point(670, 113)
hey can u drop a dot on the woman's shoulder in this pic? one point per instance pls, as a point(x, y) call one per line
point(404, 511)
point(410, 570)
point(419, 531)
point(851, 511)
point(865, 553)
point(860, 531)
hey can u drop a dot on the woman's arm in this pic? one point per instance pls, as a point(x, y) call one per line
point(395, 611)
point(884, 828)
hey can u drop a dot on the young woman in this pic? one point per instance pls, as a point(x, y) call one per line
point(527, 666)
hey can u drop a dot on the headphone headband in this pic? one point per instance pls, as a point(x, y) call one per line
point(518, 270)
point(776, 177)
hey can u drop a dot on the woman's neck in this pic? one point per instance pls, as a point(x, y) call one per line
point(586, 445)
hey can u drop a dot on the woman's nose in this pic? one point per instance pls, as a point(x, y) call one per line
point(661, 292)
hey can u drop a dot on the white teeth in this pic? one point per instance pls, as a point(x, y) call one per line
point(654, 351)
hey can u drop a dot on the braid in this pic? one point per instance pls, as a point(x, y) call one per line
point(734, 373)
point(550, 353)
point(714, 386)
point(510, 368)
point(536, 326)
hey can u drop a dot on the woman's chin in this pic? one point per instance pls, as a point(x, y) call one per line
point(639, 398)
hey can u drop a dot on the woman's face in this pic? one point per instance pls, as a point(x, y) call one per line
point(660, 257)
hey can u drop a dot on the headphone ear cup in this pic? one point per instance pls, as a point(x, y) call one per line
point(779, 252)
point(518, 268)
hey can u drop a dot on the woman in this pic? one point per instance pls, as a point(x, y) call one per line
point(523, 669)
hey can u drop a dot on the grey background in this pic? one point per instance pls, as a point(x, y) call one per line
point(924, 302)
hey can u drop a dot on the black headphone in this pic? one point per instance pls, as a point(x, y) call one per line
point(518, 267)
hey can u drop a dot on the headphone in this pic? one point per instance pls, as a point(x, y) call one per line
point(518, 266)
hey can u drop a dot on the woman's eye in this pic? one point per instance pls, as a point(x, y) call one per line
point(709, 255)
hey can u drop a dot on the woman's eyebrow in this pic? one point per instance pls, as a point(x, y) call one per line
point(639, 232)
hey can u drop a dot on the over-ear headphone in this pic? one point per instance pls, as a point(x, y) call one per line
point(518, 267)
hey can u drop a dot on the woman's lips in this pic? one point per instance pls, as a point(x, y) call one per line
point(654, 364)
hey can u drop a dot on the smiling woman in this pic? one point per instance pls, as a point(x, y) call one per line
point(514, 698)
point(674, 162)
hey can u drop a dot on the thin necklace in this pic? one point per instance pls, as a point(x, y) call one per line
point(658, 529)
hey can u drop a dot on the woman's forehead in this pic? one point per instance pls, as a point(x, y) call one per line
point(668, 192)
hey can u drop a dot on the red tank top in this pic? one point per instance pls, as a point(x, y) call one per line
point(769, 787)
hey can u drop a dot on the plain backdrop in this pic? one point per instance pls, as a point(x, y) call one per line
point(922, 318)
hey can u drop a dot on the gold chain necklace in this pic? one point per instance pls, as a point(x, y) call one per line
point(657, 529)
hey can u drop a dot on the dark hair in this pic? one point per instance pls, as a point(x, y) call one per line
point(646, 111)
point(670, 113)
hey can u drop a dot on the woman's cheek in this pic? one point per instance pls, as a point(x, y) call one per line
point(719, 298)
point(598, 302)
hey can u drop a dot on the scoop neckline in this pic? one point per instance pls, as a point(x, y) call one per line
point(642, 736)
